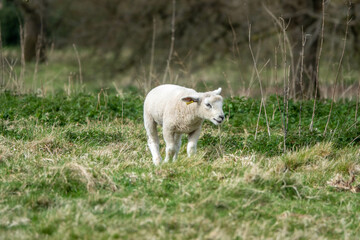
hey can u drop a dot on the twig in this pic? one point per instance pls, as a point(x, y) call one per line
point(332, 137)
point(12, 74)
point(303, 43)
point(280, 25)
point(80, 69)
point(252, 74)
point(345, 91)
point(229, 85)
point(122, 112)
point(277, 97)
point(258, 77)
point(69, 86)
point(37, 58)
point(23, 64)
point(252, 77)
point(257, 123)
point(354, 140)
point(172, 41)
point(338, 70)
point(318, 65)
point(118, 90)
point(205, 85)
point(285, 98)
point(2, 64)
point(235, 45)
point(99, 98)
point(357, 102)
point(352, 125)
point(38, 48)
point(152, 56)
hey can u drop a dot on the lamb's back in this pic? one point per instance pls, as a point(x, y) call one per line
point(164, 99)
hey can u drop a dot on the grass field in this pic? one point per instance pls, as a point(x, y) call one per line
point(77, 167)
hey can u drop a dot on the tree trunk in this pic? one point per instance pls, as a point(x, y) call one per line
point(34, 43)
point(355, 27)
point(305, 18)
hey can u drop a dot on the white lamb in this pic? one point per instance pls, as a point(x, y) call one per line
point(179, 110)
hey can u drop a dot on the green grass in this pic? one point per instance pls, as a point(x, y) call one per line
point(77, 167)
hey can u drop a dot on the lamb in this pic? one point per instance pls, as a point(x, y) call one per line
point(179, 110)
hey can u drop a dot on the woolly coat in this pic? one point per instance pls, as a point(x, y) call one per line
point(164, 104)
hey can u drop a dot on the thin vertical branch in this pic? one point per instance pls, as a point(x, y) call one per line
point(152, 54)
point(357, 102)
point(23, 64)
point(12, 78)
point(2, 63)
point(276, 67)
point(229, 85)
point(317, 77)
point(122, 112)
point(276, 79)
point(38, 49)
point(303, 43)
point(236, 51)
point(288, 94)
point(259, 79)
point(68, 89)
point(285, 97)
point(339, 68)
point(172, 41)
point(253, 73)
point(285, 44)
point(257, 123)
point(280, 24)
point(80, 68)
point(235, 41)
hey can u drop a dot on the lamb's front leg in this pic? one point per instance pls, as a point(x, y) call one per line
point(169, 138)
point(193, 139)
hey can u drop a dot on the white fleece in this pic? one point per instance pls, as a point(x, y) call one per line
point(179, 110)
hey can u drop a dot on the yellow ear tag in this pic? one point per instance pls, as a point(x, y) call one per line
point(189, 102)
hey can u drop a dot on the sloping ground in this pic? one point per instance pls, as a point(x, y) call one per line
point(78, 167)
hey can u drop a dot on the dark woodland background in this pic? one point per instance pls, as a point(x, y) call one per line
point(129, 36)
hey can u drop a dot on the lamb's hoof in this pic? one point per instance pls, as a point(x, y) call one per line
point(156, 162)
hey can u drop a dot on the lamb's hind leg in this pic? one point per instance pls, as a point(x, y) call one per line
point(169, 138)
point(153, 138)
point(177, 140)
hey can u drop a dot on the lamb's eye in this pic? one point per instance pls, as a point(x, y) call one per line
point(208, 105)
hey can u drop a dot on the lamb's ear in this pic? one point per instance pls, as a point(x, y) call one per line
point(190, 99)
point(218, 91)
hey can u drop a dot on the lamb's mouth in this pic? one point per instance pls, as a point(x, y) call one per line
point(217, 121)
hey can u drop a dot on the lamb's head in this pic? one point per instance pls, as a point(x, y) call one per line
point(209, 105)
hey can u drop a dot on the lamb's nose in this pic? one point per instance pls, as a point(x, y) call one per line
point(222, 117)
